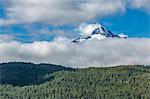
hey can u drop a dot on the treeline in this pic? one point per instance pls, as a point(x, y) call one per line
point(121, 82)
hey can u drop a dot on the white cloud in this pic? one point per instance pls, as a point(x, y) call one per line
point(141, 4)
point(7, 22)
point(62, 11)
point(91, 53)
point(5, 38)
point(87, 29)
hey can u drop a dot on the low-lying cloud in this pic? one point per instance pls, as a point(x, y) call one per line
point(107, 52)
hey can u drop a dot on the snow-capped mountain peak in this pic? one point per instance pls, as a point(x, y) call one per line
point(89, 29)
point(96, 31)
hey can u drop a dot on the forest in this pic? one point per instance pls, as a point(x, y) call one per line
point(19, 80)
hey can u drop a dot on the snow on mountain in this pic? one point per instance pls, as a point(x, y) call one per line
point(122, 35)
point(96, 31)
point(88, 29)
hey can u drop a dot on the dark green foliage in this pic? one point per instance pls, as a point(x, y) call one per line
point(121, 82)
point(20, 73)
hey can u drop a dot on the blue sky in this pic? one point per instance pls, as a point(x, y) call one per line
point(132, 21)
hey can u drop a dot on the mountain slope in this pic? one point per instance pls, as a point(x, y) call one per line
point(90, 83)
point(19, 73)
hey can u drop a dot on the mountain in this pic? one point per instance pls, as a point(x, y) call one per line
point(97, 31)
point(120, 82)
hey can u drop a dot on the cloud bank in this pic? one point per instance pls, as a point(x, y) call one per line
point(107, 52)
point(5, 38)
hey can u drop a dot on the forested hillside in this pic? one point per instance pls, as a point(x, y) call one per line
point(120, 82)
point(20, 73)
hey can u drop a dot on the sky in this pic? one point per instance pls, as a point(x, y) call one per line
point(26, 20)
point(27, 25)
